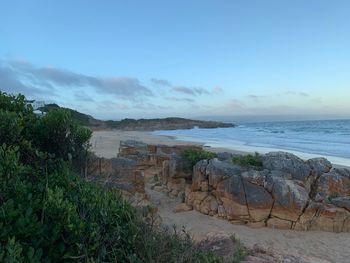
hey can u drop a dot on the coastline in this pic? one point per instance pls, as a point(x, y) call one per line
point(325, 246)
point(106, 144)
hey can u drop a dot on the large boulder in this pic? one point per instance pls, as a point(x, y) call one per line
point(319, 166)
point(199, 175)
point(259, 201)
point(343, 202)
point(290, 199)
point(286, 162)
point(179, 167)
point(335, 183)
point(218, 171)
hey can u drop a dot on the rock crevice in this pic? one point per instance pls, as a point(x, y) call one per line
point(286, 192)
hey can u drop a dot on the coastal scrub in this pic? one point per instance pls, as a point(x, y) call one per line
point(49, 213)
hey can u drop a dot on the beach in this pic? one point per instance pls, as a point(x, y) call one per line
point(106, 144)
point(333, 247)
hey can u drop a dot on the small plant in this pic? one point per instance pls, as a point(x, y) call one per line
point(193, 156)
point(240, 252)
point(157, 181)
point(248, 160)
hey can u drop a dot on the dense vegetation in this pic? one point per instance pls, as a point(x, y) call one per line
point(193, 156)
point(136, 124)
point(248, 160)
point(80, 118)
point(48, 213)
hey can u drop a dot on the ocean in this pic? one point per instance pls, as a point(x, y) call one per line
point(307, 139)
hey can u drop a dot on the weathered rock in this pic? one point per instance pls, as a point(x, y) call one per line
point(319, 165)
point(179, 168)
point(182, 207)
point(199, 175)
point(259, 201)
point(234, 210)
point(196, 198)
point(333, 184)
point(218, 170)
point(286, 162)
point(290, 199)
point(279, 223)
point(331, 218)
point(343, 202)
point(116, 172)
point(287, 193)
point(221, 211)
point(255, 177)
point(158, 188)
point(177, 184)
point(232, 189)
point(173, 193)
point(209, 205)
point(224, 156)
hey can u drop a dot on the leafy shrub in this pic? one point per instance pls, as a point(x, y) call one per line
point(248, 160)
point(51, 214)
point(240, 251)
point(193, 156)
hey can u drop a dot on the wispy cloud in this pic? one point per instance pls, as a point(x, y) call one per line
point(161, 82)
point(11, 82)
point(190, 91)
point(179, 99)
point(24, 76)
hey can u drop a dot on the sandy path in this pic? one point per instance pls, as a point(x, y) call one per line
point(334, 247)
point(323, 245)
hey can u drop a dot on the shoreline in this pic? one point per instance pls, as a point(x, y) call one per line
point(324, 246)
point(106, 144)
point(338, 162)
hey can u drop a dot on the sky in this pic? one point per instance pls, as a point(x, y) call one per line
point(143, 59)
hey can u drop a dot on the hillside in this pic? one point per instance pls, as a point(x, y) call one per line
point(171, 123)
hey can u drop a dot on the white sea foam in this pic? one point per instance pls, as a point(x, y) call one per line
point(306, 139)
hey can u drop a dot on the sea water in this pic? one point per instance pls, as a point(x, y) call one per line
point(307, 139)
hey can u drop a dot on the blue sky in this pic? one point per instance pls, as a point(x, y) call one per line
point(115, 59)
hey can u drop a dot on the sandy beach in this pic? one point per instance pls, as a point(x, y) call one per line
point(333, 247)
point(106, 144)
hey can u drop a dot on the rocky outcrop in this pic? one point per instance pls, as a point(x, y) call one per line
point(286, 192)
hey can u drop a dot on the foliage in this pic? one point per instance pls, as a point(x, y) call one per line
point(48, 213)
point(240, 251)
point(193, 156)
point(248, 160)
point(80, 118)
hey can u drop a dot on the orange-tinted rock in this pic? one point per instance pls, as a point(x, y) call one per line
point(279, 223)
point(234, 210)
point(334, 183)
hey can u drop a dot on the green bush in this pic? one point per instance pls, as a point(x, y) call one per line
point(48, 213)
point(193, 156)
point(248, 160)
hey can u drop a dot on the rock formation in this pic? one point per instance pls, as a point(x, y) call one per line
point(286, 192)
